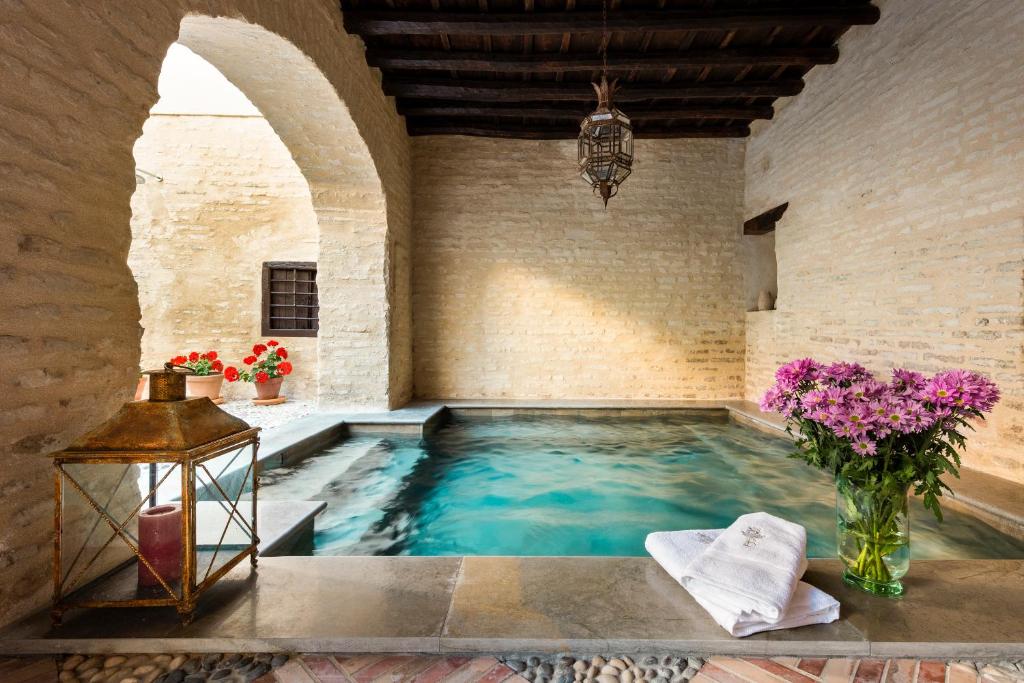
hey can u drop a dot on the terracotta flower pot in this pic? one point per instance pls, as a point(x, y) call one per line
point(269, 389)
point(204, 385)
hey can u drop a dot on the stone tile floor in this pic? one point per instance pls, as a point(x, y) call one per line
point(269, 417)
point(459, 669)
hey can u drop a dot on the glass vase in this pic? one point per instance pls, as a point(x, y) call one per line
point(873, 536)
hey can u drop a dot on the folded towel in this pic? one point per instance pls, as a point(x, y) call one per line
point(752, 567)
point(674, 550)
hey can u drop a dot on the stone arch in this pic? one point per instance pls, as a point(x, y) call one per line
point(76, 86)
point(306, 112)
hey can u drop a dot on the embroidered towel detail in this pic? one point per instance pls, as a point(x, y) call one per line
point(751, 567)
point(674, 550)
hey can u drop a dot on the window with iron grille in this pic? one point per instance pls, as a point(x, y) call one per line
point(291, 307)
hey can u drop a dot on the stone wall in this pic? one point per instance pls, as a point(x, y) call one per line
point(77, 81)
point(903, 243)
point(526, 287)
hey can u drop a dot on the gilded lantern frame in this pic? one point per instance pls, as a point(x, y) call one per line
point(189, 461)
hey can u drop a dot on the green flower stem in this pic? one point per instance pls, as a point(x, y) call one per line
point(878, 536)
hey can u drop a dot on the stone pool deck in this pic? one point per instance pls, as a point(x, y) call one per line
point(495, 605)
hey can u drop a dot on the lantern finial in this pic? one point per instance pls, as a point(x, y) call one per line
point(605, 91)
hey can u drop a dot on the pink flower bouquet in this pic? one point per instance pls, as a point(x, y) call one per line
point(879, 439)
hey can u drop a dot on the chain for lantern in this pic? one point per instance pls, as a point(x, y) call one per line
point(604, 38)
point(605, 144)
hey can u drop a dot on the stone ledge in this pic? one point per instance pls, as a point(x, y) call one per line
point(285, 527)
point(952, 608)
point(997, 502)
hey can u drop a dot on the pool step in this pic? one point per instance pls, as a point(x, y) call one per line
point(285, 527)
point(291, 443)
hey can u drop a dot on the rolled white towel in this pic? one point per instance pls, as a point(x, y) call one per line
point(674, 550)
point(752, 567)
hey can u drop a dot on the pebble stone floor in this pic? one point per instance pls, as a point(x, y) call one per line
point(456, 669)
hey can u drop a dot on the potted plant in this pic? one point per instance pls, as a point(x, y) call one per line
point(266, 372)
point(208, 377)
point(879, 440)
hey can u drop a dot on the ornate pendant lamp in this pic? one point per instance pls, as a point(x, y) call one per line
point(606, 135)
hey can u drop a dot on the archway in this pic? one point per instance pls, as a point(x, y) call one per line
point(305, 111)
point(78, 87)
point(220, 207)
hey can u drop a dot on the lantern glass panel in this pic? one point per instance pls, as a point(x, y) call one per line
point(101, 531)
point(225, 522)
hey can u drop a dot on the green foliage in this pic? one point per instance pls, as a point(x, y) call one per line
point(902, 461)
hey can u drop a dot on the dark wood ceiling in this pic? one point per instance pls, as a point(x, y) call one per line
point(522, 68)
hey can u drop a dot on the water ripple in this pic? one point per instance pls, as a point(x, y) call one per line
point(576, 485)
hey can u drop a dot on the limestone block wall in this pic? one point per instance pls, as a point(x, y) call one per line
point(524, 286)
point(77, 81)
point(231, 198)
point(903, 244)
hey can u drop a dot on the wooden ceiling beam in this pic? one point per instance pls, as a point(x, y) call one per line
point(379, 23)
point(518, 91)
point(438, 60)
point(522, 132)
point(680, 112)
point(563, 46)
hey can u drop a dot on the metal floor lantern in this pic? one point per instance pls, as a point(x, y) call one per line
point(155, 505)
point(605, 144)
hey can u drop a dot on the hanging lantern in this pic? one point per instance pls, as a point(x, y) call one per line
point(605, 144)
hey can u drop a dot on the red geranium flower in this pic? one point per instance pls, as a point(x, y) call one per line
point(258, 349)
point(194, 356)
point(211, 355)
point(281, 352)
point(272, 342)
point(249, 360)
point(231, 373)
point(217, 366)
point(179, 360)
point(262, 377)
point(284, 368)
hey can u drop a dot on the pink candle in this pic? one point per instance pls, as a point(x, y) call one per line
point(160, 544)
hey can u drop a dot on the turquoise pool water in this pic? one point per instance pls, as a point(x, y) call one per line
point(567, 485)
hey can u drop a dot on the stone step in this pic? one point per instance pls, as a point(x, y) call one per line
point(285, 527)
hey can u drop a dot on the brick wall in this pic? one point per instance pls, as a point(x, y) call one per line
point(524, 286)
point(903, 166)
point(231, 198)
point(77, 81)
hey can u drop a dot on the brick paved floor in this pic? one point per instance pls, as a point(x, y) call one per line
point(453, 669)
